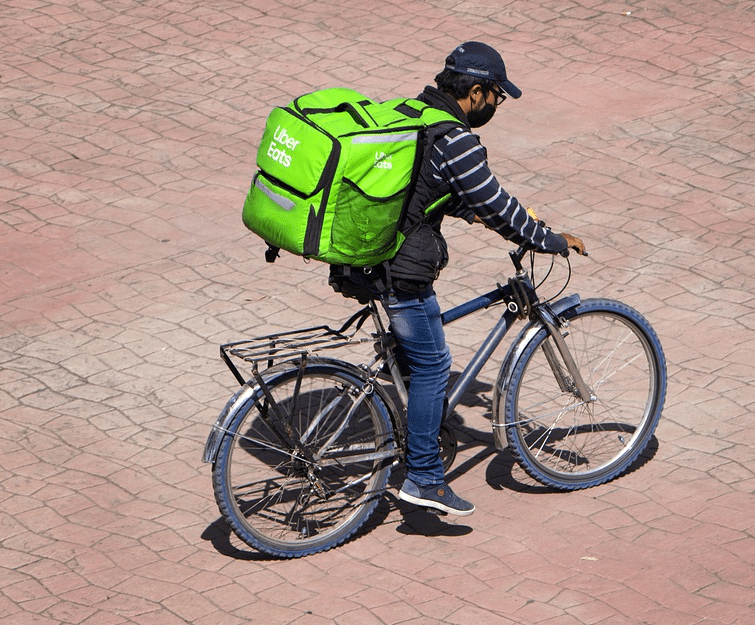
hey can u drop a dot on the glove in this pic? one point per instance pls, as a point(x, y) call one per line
point(575, 243)
point(571, 241)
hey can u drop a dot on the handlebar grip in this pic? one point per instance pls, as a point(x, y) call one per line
point(565, 253)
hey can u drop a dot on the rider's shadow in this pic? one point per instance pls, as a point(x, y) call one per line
point(419, 521)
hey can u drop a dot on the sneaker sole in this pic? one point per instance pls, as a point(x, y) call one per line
point(432, 504)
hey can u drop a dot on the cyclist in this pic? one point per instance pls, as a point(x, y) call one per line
point(471, 87)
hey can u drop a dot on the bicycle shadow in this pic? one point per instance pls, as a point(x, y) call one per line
point(501, 473)
point(414, 521)
point(219, 535)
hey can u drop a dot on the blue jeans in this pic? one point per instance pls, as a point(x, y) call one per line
point(415, 322)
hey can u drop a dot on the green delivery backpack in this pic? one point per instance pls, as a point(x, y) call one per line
point(336, 173)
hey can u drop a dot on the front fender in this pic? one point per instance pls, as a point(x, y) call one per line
point(512, 357)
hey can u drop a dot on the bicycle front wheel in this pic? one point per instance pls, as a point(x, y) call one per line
point(568, 443)
point(304, 461)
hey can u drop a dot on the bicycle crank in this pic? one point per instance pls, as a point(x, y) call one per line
point(448, 445)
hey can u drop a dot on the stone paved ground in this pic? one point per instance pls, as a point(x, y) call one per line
point(128, 132)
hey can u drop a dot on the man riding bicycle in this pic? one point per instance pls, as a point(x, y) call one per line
point(471, 87)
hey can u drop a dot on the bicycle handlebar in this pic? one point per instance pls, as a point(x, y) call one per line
point(518, 254)
point(516, 258)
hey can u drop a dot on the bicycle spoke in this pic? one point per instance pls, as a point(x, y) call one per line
point(262, 443)
point(338, 430)
point(576, 444)
point(320, 416)
point(313, 495)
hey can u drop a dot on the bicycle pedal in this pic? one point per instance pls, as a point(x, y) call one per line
point(437, 512)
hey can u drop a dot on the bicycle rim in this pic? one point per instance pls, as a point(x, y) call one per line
point(302, 468)
point(565, 442)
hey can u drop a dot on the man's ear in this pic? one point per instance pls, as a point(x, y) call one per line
point(476, 93)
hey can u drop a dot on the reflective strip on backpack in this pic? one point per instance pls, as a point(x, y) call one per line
point(280, 200)
point(379, 138)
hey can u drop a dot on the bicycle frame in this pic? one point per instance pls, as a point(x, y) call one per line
point(483, 353)
point(303, 452)
point(488, 346)
point(521, 300)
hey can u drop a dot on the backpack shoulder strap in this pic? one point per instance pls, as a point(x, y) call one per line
point(416, 109)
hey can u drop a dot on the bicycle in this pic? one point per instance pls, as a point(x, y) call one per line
point(302, 453)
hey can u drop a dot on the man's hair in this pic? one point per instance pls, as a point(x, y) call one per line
point(457, 85)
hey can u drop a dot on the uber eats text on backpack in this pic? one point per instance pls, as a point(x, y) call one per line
point(277, 148)
point(336, 172)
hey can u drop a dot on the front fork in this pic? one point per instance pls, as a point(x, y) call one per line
point(570, 381)
point(557, 353)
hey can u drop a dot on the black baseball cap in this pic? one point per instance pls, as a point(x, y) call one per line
point(479, 59)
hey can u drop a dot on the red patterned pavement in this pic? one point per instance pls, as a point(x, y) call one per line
point(128, 132)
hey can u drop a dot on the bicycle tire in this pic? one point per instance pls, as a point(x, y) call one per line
point(566, 443)
point(314, 492)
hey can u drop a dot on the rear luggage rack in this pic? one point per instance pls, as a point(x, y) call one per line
point(288, 345)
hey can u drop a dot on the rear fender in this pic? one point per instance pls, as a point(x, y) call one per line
point(239, 399)
point(250, 392)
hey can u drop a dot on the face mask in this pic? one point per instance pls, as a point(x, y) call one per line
point(481, 117)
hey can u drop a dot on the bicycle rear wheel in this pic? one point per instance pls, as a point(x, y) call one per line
point(304, 463)
point(567, 443)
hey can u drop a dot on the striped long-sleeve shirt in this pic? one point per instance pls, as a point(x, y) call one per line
point(458, 164)
point(460, 160)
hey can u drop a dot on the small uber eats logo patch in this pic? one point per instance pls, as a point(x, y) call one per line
point(277, 148)
point(383, 161)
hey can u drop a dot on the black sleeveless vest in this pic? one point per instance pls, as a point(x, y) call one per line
point(424, 253)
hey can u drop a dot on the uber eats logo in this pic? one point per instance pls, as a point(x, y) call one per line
point(383, 161)
point(280, 143)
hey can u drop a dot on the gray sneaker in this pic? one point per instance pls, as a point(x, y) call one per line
point(439, 497)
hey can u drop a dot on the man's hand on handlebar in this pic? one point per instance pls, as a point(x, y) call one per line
point(575, 243)
point(571, 241)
